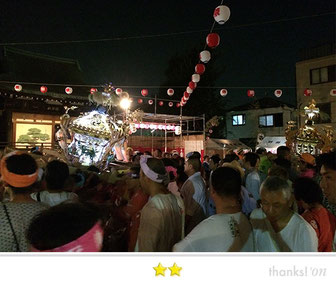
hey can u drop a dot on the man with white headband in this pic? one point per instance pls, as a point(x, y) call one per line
point(162, 218)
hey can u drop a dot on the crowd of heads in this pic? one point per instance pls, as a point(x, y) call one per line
point(63, 227)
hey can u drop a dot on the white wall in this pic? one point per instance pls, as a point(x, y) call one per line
point(251, 128)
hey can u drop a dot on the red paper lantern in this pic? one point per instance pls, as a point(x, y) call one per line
point(118, 91)
point(250, 93)
point(178, 104)
point(43, 89)
point(150, 102)
point(333, 92)
point(170, 91)
point(18, 88)
point(144, 92)
point(200, 69)
point(170, 104)
point(186, 95)
point(93, 90)
point(278, 92)
point(140, 100)
point(192, 85)
point(161, 103)
point(223, 92)
point(195, 78)
point(68, 90)
point(307, 92)
point(213, 40)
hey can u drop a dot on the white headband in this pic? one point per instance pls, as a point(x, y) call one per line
point(155, 177)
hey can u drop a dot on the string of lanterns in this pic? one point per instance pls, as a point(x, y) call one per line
point(221, 15)
point(186, 94)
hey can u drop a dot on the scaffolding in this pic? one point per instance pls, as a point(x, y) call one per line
point(190, 126)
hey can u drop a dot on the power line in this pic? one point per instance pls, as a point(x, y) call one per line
point(160, 35)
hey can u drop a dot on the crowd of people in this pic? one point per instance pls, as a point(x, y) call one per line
point(161, 202)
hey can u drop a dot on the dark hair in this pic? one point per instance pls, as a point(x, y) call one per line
point(252, 158)
point(283, 163)
point(147, 152)
point(282, 151)
point(159, 150)
point(181, 175)
point(280, 171)
point(230, 157)
point(215, 158)
point(195, 163)
point(57, 173)
point(22, 164)
point(194, 154)
point(261, 150)
point(226, 181)
point(327, 159)
point(93, 169)
point(61, 224)
point(157, 166)
point(308, 190)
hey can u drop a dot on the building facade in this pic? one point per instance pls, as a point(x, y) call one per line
point(265, 116)
point(316, 71)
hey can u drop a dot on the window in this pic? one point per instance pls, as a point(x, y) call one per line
point(238, 120)
point(271, 120)
point(323, 75)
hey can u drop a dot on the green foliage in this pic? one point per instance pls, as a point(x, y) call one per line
point(33, 131)
point(25, 139)
point(206, 100)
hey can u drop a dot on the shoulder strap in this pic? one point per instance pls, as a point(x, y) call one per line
point(12, 228)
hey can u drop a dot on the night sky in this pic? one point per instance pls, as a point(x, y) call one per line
point(255, 51)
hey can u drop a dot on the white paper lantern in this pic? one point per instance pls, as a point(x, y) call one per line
point(68, 90)
point(118, 91)
point(278, 92)
point(178, 130)
point(170, 92)
point(189, 90)
point(18, 87)
point(223, 92)
point(195, 78)
point(150, 102)
point(333, 92)
point(221, 14)
point(205, 56)
point(170, 104)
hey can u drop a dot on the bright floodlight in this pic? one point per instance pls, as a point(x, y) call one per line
point(125, 103)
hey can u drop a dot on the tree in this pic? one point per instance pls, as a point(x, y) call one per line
point(205, 100)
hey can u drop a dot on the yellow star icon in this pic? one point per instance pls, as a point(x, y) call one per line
point(160, 270)
point(175, 270)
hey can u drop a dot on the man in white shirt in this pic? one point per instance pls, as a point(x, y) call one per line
point(251, 164)
point(229, 229)
point(193, 193)
point(276, 227)
point(57, 172)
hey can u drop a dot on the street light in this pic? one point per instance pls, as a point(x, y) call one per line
point(125, 103)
